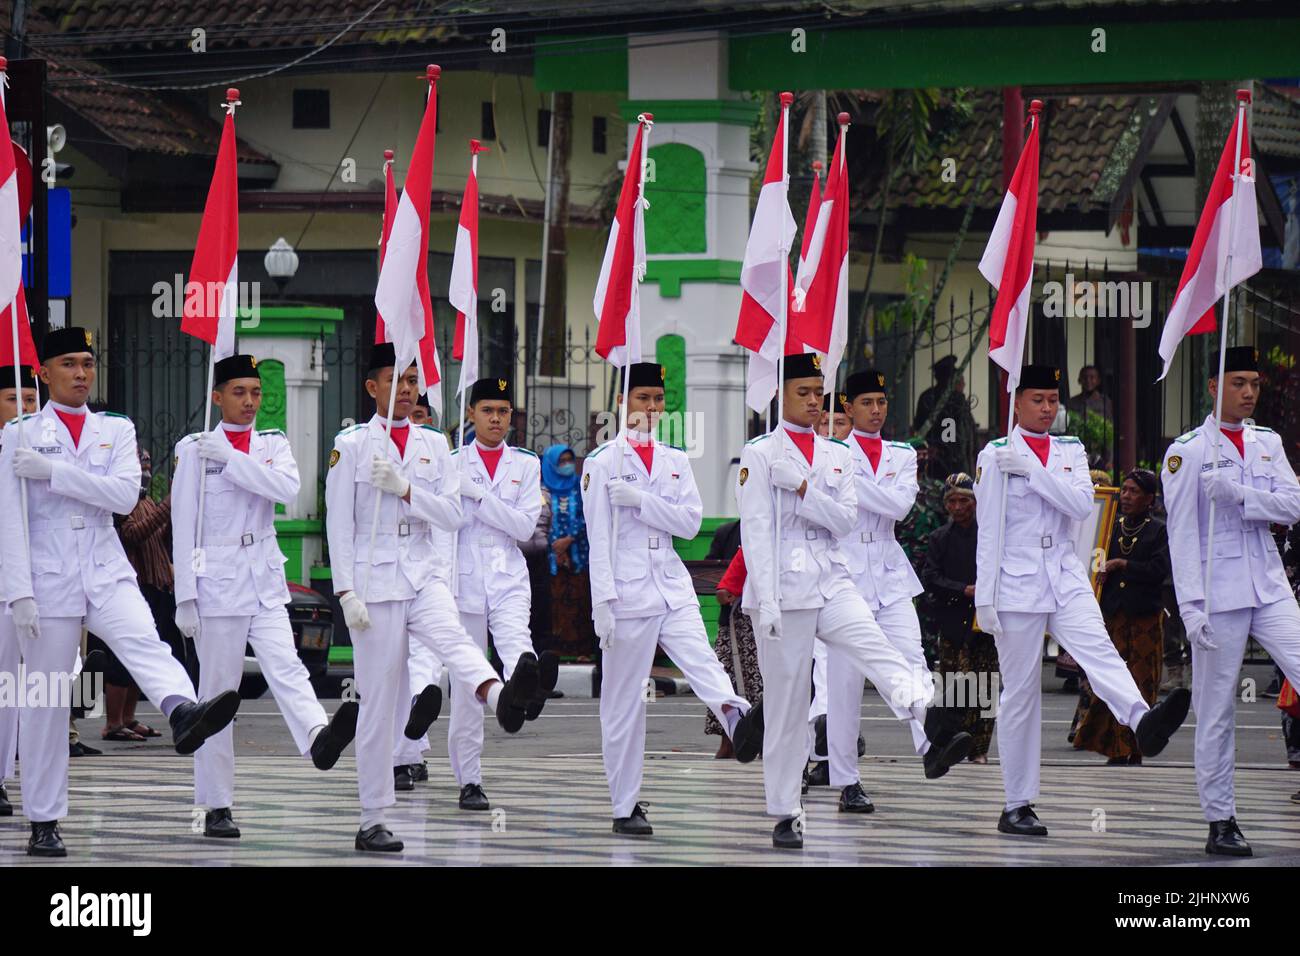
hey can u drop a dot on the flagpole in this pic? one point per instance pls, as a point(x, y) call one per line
point(22, 438)
point(1035, 107)
point(783, 319)
point(546, 246)
point(1243, 98)
point(455, 535)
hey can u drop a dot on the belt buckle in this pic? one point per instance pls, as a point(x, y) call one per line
point(810, 534)
point(403, 528)
point(654, 542)
point(246, 539)
point(78, 522)
point(1045, 541)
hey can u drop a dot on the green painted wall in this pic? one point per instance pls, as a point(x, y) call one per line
point(677, 195)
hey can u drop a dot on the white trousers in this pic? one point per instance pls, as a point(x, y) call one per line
point(380, 659)
point(125, 624)
point(508, 622)
point(422, 669)
point(1078, 627)
point(9, 659)
point(220, 646)
point(845, 624)
point(1215, 688)
point(626, 690)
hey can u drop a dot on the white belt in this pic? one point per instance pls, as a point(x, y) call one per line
point(1044, 542)
point(406, 528)
point(653, 542)
point(244, 540)
point(493, 541)
point(804, 534)
point(75, 522)
point(874, 537)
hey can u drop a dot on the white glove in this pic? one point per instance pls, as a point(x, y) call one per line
point(469, 488)
point(214, 446)
point(767, 623)
point(986, 616)
point(1010, 461)
point(32, 464)
point(623, 494)
point(354, 611)
point(187, 618)
point(602, 616)
point(785, 475)
point(26, 620)
point(385, 477)
point(1197, 624)
point(1222, 490)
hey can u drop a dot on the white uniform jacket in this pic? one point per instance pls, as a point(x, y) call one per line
point(76, 555)
point(641, 572)
point(489, 562)
point(1247, 567)
point(1038, 566)
point(877, 562)
point(814, 566)
point(241, 568)
point(405, 558)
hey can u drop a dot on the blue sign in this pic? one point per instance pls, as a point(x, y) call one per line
point(58, 243)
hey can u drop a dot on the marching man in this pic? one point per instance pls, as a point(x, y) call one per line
point(16, 398)
point(79, 468)
point(803, 484)
point(501, 495)
point(230, 584)
point(392, 592)
point(642, 594)
point(1038, 484)
point(1251, 485)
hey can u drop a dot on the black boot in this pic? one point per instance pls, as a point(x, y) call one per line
point(425, 710)
point(6, 808)
point(1022, 821)
point(1226, 839)
point(1159, 723)
point(420, 772)
point(193, 723)
point(338, 733)
point(817, 774)
point(512, 705)
point(634, 825)
point(788, 835)
point(939, 758)
point(219, 823)
point(377, 839)
point(402, 778)
point(45, 840)
point(472, 797)
point(748, 738)
point(548, 675)
point(853, 799)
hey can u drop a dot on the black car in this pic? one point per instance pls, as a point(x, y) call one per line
point(312, 621)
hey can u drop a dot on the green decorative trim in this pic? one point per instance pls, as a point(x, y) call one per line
point(678, 193)
point(1011, 52)
point(341, 654)
point(299, 526)
point(671, 273)
point(289, 532)
point(274, 411)
point(307, 321)
point(727, 112)
point(580, 64)
point(670, 352)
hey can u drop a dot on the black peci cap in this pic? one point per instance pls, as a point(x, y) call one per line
point(67, 341)
point(865, 382)
point(7, 377)
point(1039, 376)
point(837, 401)
point(491, 390)
point(1241, 358)
point(802, 365)
point(234, 366)
point(381, 356)
point(645, 375)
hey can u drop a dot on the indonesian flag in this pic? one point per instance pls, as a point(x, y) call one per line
point(1008, 262)
point(617, 301)
point(1205, 275)
point(390, 210)
point(821, 296)
point(402, 294)
point(770, 236)
point(212, 294)
point(26, 345)
point(464, 279)
point(11, 258)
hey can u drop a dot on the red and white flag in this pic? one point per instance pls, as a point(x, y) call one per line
point(1008, 260)
point(212, 293)
point(390, 210)
point(771, 236)
point(821, 296)
point(617, 301)
point(1205, 276)
point(11, 255)
point(402, 293)
point(463, 293)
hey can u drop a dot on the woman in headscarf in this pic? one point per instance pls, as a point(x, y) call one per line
point(571, 629)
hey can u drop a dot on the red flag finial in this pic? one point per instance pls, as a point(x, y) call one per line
point(843, 119)
point(388, 155)
point(649, 117)
point(1035, 107)
point(786, 100)
point(1243, 96)
point(817, 166)
point(432, 72)
point(232, 95)
point(476, 147)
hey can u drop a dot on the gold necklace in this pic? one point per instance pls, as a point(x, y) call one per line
point(1132, 535)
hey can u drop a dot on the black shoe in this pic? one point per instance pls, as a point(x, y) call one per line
point(1022, 821)
point(512, 705)
point(862, 746)
point(817, 774)
point(634, 825)
point(219, 823)
point(193, 723)
point(1159, 723)
point(378, 839)
point(420, 772)
point(425, 710)
point(472, 797)
point(548, 674)
point(853, 799)
point(1226, 839)
point(788, 836)
point(402, 778)
point(6, 808)
point(1274, 688)
point(81, 750)
point(940, 757)
point(819, 737)
point(338, 733)
point(747, 741)
point(45, 840)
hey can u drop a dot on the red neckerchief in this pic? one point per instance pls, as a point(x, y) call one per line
point(399, 434)
point(872, 447)
point(645, 451)
point(1236, 438)
point(804, 442)
point(1039, 446)
point(239, 439)
point(490, 458)
point(74, 424)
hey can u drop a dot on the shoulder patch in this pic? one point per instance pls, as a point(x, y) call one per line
point(334, 457)
point(191, 437)
point(901, 444)
point(676, 447)
point(758, 439)
point(1185, 438)
point(116, 415)
point(586, 482)
point(352, 428)
point(430, 427)
point(526, 451)
point(1262, 428)
point(599, 449)
point(998, 442)
point(1067, 440)
point(838, 442)
point(271, 431)
point(1174, 463)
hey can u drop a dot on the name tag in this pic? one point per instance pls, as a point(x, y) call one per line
point(48, 449)
point(214, 468)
